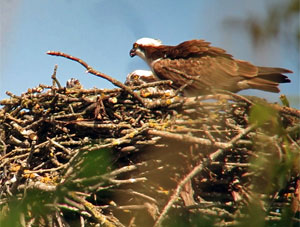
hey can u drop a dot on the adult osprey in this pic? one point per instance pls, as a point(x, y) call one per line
point(202, 68)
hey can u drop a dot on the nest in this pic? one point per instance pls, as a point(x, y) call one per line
point(140, 156)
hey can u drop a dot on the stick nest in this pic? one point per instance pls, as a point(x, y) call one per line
point(81, 157)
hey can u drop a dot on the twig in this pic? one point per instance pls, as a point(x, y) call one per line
point(99, 74)
point(101, 219)
point(214, 155)
point(195, 171)
point(177, 191)
point(189, 139)
point(53, 77)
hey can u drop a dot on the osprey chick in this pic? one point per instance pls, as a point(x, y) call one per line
point(202, 67)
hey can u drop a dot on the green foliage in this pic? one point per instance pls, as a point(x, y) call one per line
point(34, 203)
point(94, 163)
point(265, 117)
point(179, 219)
point(276, 160)
point(37, 203)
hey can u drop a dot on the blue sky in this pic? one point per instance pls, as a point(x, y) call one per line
point(101, 32)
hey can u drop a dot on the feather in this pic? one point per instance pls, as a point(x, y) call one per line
point(200, 67)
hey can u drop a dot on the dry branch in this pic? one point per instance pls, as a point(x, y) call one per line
point(118, 157)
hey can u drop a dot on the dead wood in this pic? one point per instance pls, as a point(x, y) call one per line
point(129, 157)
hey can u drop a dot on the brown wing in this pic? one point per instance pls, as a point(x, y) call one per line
point(203, 67)
point(202, 73)
point(194, 48)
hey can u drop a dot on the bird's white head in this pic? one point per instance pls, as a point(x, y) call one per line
point(148, 42)
point(139, 77)
point(140, 46)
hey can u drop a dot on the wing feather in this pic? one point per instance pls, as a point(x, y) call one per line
point(193, 48)
point(202, 66)
point(246, 69)
point(205, 72)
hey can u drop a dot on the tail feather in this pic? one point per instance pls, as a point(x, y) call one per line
point(262, 84)
point(268, 79)
point(278, 78)
point(272, 70)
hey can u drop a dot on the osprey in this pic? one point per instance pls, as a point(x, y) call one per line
point(142, 77)
point(201, 68)
point(139, 77)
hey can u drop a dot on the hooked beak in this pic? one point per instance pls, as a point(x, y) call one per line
point(132, 52)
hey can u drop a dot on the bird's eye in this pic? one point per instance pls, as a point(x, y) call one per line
point(135, 77)
point(135, 45)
